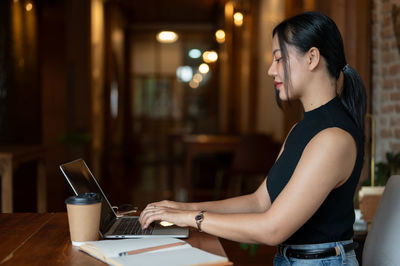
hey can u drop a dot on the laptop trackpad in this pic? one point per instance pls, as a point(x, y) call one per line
point(172, 230)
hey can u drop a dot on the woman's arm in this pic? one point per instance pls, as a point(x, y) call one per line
point(327, 161)
point(258, 201)
point(255, 202)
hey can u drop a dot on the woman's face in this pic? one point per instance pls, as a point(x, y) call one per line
point(296, 68)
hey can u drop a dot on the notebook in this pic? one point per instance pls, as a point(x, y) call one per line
point(156, 251)
point(82, 180)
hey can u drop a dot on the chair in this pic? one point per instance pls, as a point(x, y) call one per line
point(253, 157)
point(382, 245)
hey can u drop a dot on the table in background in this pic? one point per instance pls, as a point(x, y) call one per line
point(202, 144)
point(10, 158)
point(43, 239)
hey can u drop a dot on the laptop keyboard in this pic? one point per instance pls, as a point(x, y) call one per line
point(132, 227)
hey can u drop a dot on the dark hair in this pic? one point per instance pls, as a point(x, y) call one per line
point(313, 29)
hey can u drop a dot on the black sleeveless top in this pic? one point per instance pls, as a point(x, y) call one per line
point(334, 220)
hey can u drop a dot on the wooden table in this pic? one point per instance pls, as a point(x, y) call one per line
point(43, 239)
point(203, 144)
point(10, 158)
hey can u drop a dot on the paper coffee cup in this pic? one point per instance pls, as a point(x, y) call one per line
point(84, 217)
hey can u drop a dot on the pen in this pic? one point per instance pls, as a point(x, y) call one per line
point(137, 251)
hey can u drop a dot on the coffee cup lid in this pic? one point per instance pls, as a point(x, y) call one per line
point(84, 198)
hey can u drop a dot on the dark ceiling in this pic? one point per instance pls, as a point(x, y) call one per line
point(171, 11)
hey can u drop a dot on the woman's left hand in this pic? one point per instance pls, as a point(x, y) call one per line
point(160, 213)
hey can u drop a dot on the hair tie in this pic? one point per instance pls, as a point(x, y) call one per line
point(345, 67)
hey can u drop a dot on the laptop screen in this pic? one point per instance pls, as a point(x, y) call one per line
point(81, 180)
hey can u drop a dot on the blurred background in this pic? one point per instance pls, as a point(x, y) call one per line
point(155, 96)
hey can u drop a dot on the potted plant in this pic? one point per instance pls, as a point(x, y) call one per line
point(372, 189)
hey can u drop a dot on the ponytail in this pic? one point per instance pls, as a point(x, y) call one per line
point(353, 95)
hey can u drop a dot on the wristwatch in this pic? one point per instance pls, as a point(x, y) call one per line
point(199, 218)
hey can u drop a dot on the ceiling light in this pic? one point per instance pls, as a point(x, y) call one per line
point(198, 77)
point(193, 84)
point(28, 7)
point(220, 36)
point(210, 56)
point(204, 68)
point(238, 19)
point(184, 73)
point(167, 37)
point(194, 53)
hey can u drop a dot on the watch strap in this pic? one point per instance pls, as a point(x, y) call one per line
point(199, 219)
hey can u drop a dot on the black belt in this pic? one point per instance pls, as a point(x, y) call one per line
point(316, 253)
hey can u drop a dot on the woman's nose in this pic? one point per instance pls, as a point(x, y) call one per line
point(272, 70)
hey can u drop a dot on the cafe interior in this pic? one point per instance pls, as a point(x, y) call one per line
point(168, 99)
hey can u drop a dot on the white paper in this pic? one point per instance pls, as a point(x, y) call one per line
point(112, 248)
point(178, 257)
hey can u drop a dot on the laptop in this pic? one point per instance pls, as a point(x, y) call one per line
point(82, 180)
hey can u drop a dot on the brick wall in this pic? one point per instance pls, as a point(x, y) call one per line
point(385, 78)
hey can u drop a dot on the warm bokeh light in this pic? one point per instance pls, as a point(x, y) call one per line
point(238, 19)
point(229, 8)
point(220, 36)
point(193, 84)
point(167, 37)
point(198, 77)
point(210, 56)
point(194, 53)
point(28, 7)
point(204, 68)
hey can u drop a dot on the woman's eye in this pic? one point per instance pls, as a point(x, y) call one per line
point(278, 59)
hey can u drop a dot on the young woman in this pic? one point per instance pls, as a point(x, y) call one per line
point(305, 204)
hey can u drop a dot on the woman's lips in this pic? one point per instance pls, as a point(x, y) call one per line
point(277, 84)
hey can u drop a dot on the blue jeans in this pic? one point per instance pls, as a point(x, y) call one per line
point(348, 258)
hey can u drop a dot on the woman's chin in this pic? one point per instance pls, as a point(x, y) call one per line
point(280, 92)
point(283, 97)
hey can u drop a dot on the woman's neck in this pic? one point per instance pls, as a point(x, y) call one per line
point(320, 90)
point(316, 101)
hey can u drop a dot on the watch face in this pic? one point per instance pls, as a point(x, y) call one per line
point(199, 217)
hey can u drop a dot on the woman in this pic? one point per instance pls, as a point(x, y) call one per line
point(305, 204)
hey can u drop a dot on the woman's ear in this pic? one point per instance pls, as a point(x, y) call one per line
point(313, 57)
